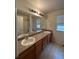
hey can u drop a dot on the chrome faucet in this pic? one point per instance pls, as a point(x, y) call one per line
point(26, 36)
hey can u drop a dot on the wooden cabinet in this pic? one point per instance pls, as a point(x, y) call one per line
point(49, 39)
point(45, 41)
point(38, 49)
point(34, 51)
point(28, 54)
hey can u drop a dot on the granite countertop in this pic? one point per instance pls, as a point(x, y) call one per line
point(37, 37)
point(21, 36)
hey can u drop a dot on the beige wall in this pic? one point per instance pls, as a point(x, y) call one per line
point(51, 25)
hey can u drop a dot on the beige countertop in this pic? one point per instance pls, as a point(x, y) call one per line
point(21, 48)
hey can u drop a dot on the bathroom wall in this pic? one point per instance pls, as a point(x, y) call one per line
point(51, 25)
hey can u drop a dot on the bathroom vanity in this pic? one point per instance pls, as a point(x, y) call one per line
point(34, 50)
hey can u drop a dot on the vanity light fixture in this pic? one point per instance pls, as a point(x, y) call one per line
point(35, 12)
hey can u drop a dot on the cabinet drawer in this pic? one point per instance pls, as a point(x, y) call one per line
point(45, 41)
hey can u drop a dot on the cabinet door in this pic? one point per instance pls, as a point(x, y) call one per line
point(48, 39)
point(38, 49)
point(28, 54)
point(45, 41)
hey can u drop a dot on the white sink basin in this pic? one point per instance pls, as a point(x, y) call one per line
point(47, 32)
point(27, 42)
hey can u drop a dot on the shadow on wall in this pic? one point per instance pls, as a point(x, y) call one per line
point(59, 37)
point(51, 25)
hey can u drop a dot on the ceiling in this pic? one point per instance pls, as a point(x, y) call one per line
point(44, 6)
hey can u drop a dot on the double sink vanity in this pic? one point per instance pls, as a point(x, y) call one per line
point(32, 47)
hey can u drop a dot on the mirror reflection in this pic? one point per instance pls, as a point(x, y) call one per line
point(22, 23)
point(28, 24)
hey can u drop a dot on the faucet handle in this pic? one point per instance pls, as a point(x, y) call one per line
point(26, 34)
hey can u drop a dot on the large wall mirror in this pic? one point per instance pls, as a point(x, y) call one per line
point(28, 23)
point(38, 23)
point(22, 22)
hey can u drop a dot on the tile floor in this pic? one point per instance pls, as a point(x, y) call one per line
point(52, 51)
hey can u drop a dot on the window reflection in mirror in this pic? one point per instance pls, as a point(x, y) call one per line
point(36, 24)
